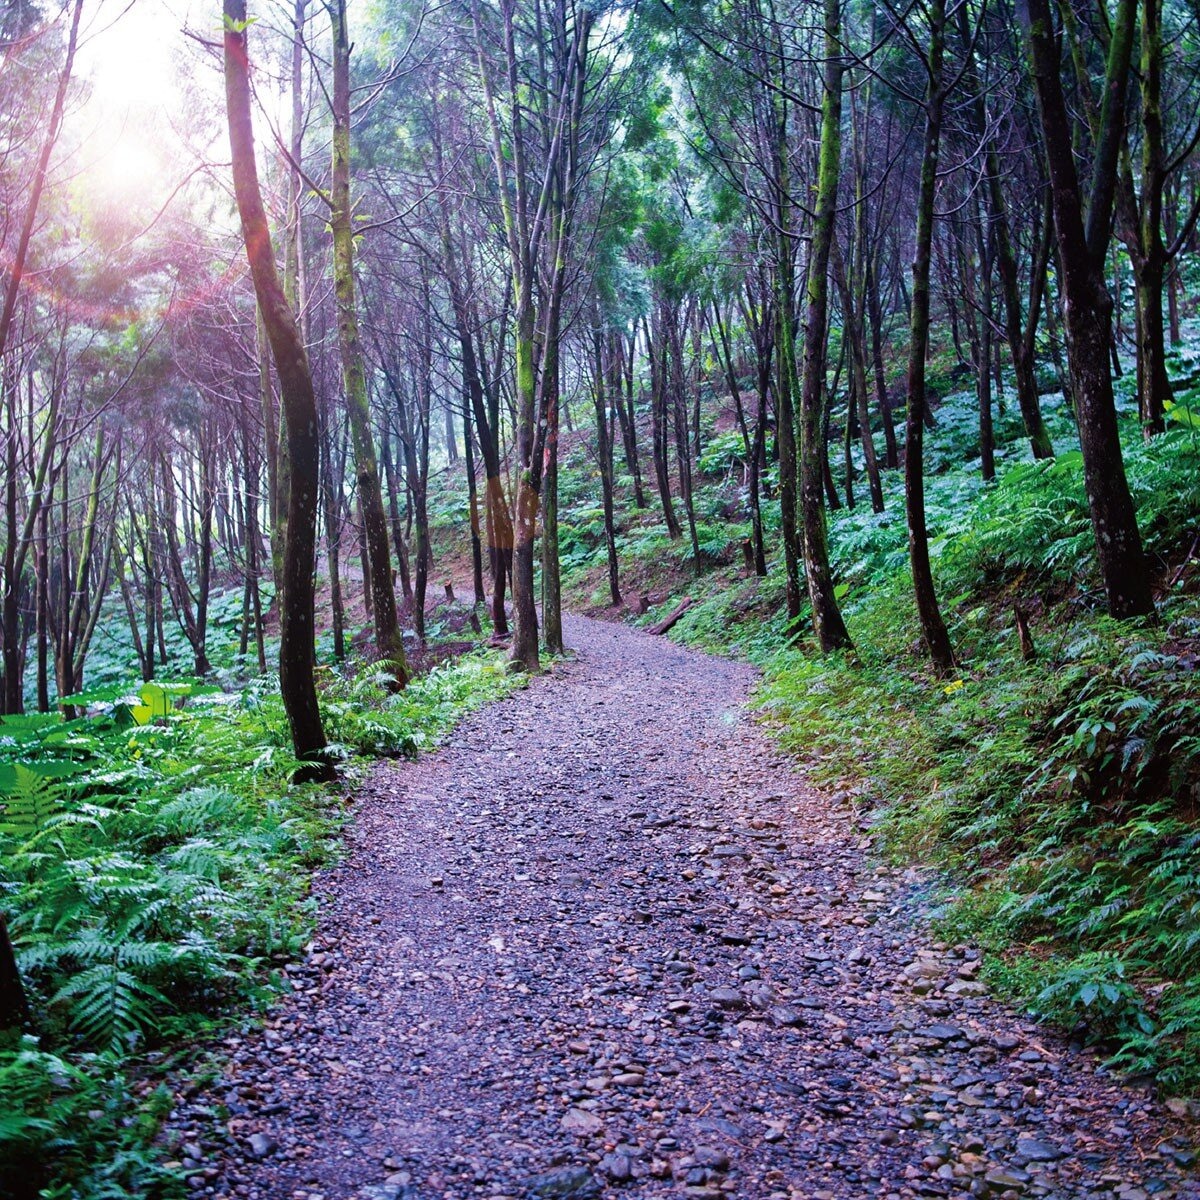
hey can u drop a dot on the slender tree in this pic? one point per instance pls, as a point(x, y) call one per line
point(933, 628)
point(1087, 306)
point(296, 680)
point(370, 495)
point(828, 624)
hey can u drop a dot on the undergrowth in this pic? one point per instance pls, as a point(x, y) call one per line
point(154, 867)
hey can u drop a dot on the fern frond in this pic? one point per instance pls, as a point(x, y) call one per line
point(109, 1006)
point(28, 804)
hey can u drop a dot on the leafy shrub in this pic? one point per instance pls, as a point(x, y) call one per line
point(75, 1128)
point(722, 454)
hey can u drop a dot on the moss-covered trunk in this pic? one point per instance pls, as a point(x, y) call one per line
point(375, 529)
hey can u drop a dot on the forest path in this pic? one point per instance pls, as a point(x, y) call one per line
point(607, 942)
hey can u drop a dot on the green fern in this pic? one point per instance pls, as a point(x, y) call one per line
point(29, 802)
point(109, 1005)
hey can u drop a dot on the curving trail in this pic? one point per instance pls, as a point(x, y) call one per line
point(608, 942)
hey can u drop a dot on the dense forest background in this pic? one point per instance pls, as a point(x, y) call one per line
point(858, 339)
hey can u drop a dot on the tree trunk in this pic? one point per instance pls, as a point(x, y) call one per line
point(604, 447)
point(14, 1008)
point(658, 417)
point(15, 263)
point(623, 402)
point(497, 521)
point(1150, 273)
point(828, 625)
point(331, 503)
point(1019, 328)
point(42, 568)
point(933, 629)
point(854, 332)
point(679, 410)
point(750, 444)
point(891, 456)
point(473, 504)
point(1087, 305)
point(391, 478)
point(296, 681)
point(552, 631)
point(375, 530)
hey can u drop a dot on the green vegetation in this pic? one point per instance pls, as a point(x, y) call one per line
point(155, 863)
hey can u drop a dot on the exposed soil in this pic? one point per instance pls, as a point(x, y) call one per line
point(608, 942)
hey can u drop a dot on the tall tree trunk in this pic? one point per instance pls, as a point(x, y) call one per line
point(855, 334)
point(604, 448)
point(449, 435)
point(679, 410)
point(1087, 305)
point(1150, 266)
point(296, 681)
point(750, 444)
point(388, 641)
point(13, 699)
point(525, 620)
point(391, 477)
point(42, 568)
point(472, 503)
point(16, 265)
point(208, 500)
point(331, 504)
point(785, 391)
point(933, 628)
point(828, 625)
point(1019, 329)
point(552, 631)
point(278, 472)
point(623, 403)
point(657, 354)
point(875, 314)
point(497, 519)
point(981, 348)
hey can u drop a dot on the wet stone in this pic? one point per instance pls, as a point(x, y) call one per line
point(785, 1016)
point(941, 1033)
point(711, 1157)
point(382, 1191)
point(1037, 1151)
point(260, 1145)
point(571, 1183)
point(726, 997)
point(617, 1167)
point(582, 1123)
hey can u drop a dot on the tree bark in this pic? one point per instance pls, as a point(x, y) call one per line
point(828, 625)
point(388, 641)
point(933, 628)
point(657, 354)
point(604, 449)
point(1087, 305)
point(296, 681)
point(14, 1008)
point(854, 332)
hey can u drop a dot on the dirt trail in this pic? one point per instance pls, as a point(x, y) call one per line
point(608, 942)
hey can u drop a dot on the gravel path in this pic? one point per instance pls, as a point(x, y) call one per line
point(608, 942)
